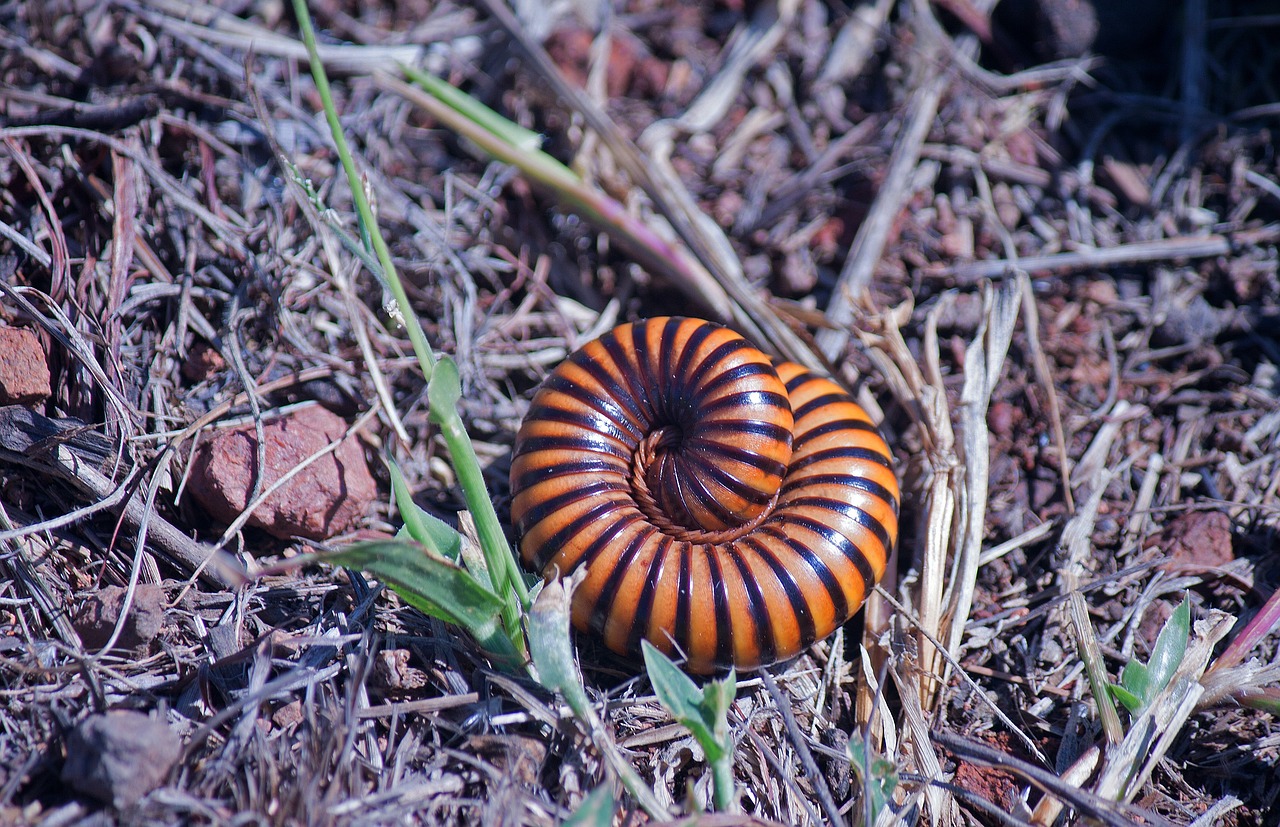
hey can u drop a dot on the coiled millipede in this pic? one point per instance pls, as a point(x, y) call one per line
point(724, 506)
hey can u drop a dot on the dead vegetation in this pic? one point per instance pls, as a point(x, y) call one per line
point(1055, 276)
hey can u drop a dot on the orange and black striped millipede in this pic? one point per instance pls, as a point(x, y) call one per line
point(724, 506)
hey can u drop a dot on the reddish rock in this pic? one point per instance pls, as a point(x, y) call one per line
point(995, 785)
point(326, 498)
point(1196, 539)
point(96, 618)
point(24, 373)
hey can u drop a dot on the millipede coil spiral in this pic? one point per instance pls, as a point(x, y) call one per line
point(725, 507)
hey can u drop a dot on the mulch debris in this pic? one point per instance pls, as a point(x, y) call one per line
point(880, 181)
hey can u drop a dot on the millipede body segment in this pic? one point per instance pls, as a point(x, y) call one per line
point(724, 506)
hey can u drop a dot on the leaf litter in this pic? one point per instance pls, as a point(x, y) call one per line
point(1052, 273)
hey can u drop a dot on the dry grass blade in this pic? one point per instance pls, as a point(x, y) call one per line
point(211, 23)
point(953, 487)
point(984, 362)
point(955, 482)
point(868, 245)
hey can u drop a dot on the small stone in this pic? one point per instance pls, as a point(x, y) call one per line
point(995, 785)
point(24, 373)
point(1001, 418)
point(326, 498)
point(288, 715)
point(120, 756)
point(96, 618)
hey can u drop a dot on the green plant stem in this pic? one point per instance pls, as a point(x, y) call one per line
point(722, 781)
point(493, 542)
point(421, 347)
point(498, 555)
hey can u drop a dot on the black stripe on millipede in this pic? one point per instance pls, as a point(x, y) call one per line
point(800, 608)
point(766, 645)
point(737, 427)
point(821, 570)
point(821, 402)
point(626, 373)
point(843, 452)
point(528, 445)
point(683, 632)
point(712, 472)
point(547, 509)
point(848, 481)
point(652, 385)
point(603, 609)
point(724, 631)
point(644, 606)
point(594, 466)
point(597, 421)
point(734, 374)
point(800, 380)
point(599, 544)
point(712, 362)
point(757, 399)
point(611, 386)
point(846, 546)
point(692, 487)
point(831, 427)
point(680, 379)
point(727, 453)
point(848, 510)
point(667, 349)
point(607, 403)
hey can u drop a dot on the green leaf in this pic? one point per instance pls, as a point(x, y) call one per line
point(420, 525)
point(431, 584)
point(705, 712)
point(1170, 648)
point(551, 645)
point(677, 692)
point(1131, 701)
point(1141, 683)
point(444, 389)
point(877, 777)
point(1137, 681)
point(596, 810)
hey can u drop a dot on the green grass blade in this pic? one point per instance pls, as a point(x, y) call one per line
point(473, 110)
point(433, 585)
point(419, 525)
point(1131, 701)
point(1170, 647)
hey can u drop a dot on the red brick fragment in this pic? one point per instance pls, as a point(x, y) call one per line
point(326, 498)
point(24, 373)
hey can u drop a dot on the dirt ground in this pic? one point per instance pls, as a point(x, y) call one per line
point(1040, 243)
